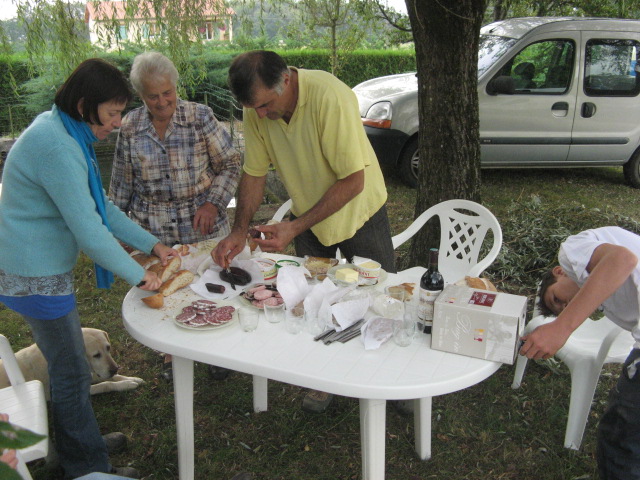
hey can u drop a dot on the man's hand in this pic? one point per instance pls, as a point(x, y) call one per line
point(164, 252)
point(277, 236)
point(228, 248)
point(205, 218)
point(545, 340)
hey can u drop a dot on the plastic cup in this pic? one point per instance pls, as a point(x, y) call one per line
point(399, 293)
point(274, 313)
point(248, 318)
point(313, 324)
point(294, 320)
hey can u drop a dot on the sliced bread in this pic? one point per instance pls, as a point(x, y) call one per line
point(176, 282)
point(165, 272)
point(145, 260)
point(154, 301)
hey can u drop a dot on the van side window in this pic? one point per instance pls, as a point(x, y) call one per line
point(610, 68)
point(542, 68)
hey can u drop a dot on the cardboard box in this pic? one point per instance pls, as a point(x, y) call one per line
point(478, 323)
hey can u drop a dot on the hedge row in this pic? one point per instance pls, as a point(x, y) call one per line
point(355, 67)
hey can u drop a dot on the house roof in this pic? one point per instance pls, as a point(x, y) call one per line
point(115, 9)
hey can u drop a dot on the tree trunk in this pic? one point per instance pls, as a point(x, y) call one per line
point(446, 36)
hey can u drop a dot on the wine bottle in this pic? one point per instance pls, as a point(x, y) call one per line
point(431, 284)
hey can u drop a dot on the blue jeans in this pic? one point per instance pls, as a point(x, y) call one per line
point(619, 429)
point(372, 240)
point(79, 444)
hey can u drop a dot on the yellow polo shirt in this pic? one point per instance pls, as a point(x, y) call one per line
point(323, 142)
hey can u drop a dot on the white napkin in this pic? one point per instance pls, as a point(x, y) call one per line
point(376, 331)
point(212, 275)
point(292, 284)
point(348, 312)
point(193, 254)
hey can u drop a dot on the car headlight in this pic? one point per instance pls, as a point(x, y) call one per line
point(378, 115)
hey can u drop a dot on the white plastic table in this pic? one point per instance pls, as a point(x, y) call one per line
point(375, 376)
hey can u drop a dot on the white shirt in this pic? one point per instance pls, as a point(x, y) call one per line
point(622, 307)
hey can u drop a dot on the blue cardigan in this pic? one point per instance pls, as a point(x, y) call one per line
point(47, 214)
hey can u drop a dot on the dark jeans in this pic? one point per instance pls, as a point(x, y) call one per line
point(80, 446)
point(373, 241)
point(619, 428)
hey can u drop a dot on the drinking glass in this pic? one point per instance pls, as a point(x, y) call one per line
point(274, 313)
point(294, 319)
point(248, 318)
point(403, 331)
point(313, 324)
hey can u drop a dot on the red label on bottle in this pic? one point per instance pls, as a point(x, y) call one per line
point(483, 299)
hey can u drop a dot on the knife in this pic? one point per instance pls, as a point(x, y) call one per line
point(228, 270)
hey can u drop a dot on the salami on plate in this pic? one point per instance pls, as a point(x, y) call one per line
point(205, 315)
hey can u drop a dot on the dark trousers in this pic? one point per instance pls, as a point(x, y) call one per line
point(619, 428)
point(372, 240)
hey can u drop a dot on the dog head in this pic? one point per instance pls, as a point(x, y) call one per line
point(98, 350)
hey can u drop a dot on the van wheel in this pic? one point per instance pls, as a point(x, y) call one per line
point(631, 170)
point(409, 163)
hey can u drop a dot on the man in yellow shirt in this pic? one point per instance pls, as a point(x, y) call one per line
point(306, 123)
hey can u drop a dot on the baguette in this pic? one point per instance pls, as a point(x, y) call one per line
point(176, 282)
point(145, 260)
point(165, 272)
point(154, 301)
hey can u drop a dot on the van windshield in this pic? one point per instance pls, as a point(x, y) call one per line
point(490, 49)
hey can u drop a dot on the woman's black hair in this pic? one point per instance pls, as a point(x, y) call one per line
point(94, 81)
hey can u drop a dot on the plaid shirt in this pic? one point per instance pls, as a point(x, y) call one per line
point(161, 184)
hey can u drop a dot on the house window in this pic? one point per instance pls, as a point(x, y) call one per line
point(122, 32)
point(206, 31)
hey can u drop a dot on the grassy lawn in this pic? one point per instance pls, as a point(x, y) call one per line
point(485, 432)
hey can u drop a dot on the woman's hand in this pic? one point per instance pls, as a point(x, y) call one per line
point(8, 456)
point(205, 218)
point(164, 252)
point(150, 281)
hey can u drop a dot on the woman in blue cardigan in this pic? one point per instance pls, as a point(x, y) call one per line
point(52, 207)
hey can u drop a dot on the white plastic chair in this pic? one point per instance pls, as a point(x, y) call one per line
point(26, 406)
point(461, 237)
point(589, 347)
point(282, 211)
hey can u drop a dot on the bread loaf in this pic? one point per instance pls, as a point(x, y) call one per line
point(179, 280)
point(165, 272)
point(482, 283)
point(145, 260)
point(154, 301)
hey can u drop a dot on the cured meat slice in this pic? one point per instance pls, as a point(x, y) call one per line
point(263, 294)
point(186, 317)
point(271, 301)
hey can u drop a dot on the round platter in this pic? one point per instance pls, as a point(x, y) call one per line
point(234, 319)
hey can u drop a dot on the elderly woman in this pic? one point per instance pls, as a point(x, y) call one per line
point(175, 169)
point(52, 206)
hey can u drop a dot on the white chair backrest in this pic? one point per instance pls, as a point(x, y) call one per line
point(10, 363)
point(282, 211)
point(463, 227)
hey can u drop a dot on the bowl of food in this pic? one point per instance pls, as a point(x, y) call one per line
point(319, 266)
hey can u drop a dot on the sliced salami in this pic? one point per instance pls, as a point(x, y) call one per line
point(263, 294)
point(186, 317)
point(271, 301)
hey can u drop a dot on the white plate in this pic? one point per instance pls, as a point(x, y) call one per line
point(234, 319)
point(331, 273)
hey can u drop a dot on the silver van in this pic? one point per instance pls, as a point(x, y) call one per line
point(553, 92)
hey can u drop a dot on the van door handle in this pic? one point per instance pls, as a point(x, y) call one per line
point(560, 106)
point(588, 109)
point(560, 109)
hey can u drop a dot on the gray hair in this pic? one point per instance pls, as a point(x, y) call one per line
point(152, 66)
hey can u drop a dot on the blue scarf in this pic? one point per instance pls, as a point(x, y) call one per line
point(81, 133)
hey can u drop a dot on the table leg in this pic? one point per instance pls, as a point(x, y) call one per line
point(260, 398)
point(183, 394)
point(372, 435)
point(422, 426)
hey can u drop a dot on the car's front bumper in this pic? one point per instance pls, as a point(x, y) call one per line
point(387, 143)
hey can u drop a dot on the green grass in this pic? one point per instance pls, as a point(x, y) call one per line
point(488, 431)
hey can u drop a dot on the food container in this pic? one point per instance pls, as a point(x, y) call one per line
point(319, 266)
point(286, 262)
point(267, 267)
point(368, 271)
